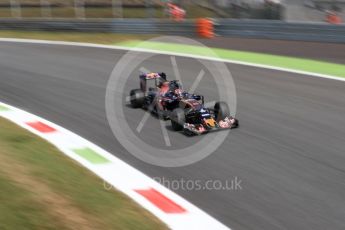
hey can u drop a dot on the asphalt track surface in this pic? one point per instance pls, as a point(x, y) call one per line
point(289, 152)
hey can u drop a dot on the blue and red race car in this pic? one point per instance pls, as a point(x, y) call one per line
point(186, 111)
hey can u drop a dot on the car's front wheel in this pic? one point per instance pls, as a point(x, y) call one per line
point(221, 110)
point(178, 119)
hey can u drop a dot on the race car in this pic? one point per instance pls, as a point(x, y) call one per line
point(161, 96)
point(186, 111)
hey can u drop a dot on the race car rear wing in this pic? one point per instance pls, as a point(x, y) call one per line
point(150, 76)
point(158, 77)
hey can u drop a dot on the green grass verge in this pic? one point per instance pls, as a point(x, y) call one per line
point(300, 64)
point(18, 210)
point(112, 209)
point(99, 38)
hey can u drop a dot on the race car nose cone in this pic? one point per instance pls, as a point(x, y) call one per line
point(210, 122)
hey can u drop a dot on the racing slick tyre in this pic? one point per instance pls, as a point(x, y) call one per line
point(137, 98)
point(177, 118)
point(221, 110)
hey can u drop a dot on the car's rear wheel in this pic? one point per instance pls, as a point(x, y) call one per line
point(137, 98)
point(221, 110)
point(178, 119)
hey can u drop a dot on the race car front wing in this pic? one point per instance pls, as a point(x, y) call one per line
point(198, 129)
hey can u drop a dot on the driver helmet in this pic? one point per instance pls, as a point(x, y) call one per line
point(173, 86)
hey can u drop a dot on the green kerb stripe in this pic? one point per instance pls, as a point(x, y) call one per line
point(91, 156)
point(3, 108)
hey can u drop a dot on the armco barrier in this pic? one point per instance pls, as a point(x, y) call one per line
point(135, 26)
point(320, 32)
